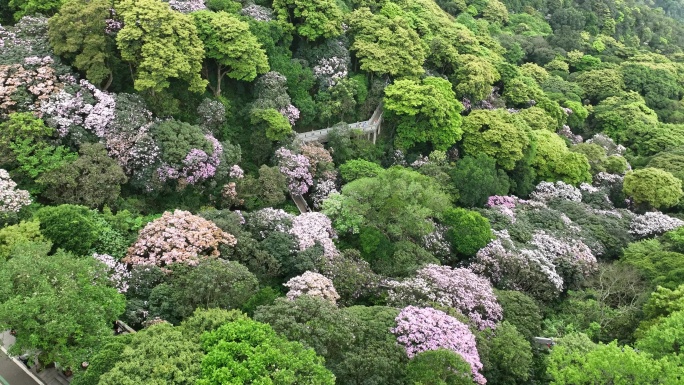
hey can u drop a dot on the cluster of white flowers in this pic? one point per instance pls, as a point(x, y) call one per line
point(313, 284)
point(313, 227)
point(187, 6)
point(653, 223)
point(258, 12)
point(118, 273)
point(546, 191)
point(331, 70)
point(11, 198)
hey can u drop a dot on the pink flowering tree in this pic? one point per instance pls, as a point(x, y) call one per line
point(118, 272)
point(178, 237)
point(457, 288)
point(262, 222)
point(653, 223)
point(423, 329)
point(12, 199)
point(313, 284)
point(296, 169)
point(309, 228)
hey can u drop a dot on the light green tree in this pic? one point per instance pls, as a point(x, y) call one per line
point(427, 111)
point(160, 44)
point(230, 46)
point(498, 134)
point(653, 187)
point(473, 77)
point(554, 162)
point(312, 19)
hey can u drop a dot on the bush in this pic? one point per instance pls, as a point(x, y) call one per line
point(468, 230)
point(69, 227)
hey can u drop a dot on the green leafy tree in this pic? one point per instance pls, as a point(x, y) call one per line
point(506, 355)
point(359, 168)
point(160, 44)
point(23, 232)
point(627, 120)
point(70, 227)
point(476, 179)
point(93, 180)
point(498, 134)
point(397, 202)
point(600, 84)
point(665, 337)
point(665, 268)
point(426, 110)
point(246, 351)
point(234, 51)
point(521, 311)
point(103, 360)
point(653, 187)
point(276, 125)
point(386, 45)
point(61, 306)
point(312, 18)
point(159, 354)
point(474, 77)
point(77, 33)
point(32, 7)
point(468, 230)
point(438, 367)
point(553, 161)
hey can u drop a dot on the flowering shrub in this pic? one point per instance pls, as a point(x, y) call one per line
point(11, 198)
point(653, 223)
point(187, 6)
point(264, 221)
point(291, 113)
point(177, 237)
point(505, 201)
point(329, 71)
point(211, 113)
point(437, 243)
point(257, 12)
point(423, 329)
point(608, 144)
point(322, 191)
point(313, 227)
point(567, 133)
point(457, 288)
point(320, 160)
point(296, 170)
point(572, 257)
point(546, 191)
point(313, 284)
point(510, 268)
point(119, 275)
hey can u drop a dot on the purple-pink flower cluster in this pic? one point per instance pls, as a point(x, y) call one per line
point(197, 166)
point(653, 223)
point(313, 227)
point(331, 70)
point(257, 12)
point(291, 113)
point(296, 169)
point(313, 284)
point(423, 329)
point(457, 288)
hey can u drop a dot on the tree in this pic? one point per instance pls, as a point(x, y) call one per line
point(77, 32)
point(93, 180)
point(12, 199)
point(506, 355)
point(427, 111)
point(213, 283)
point(664, 268)
point(355, 169)
point(665, 337)
point(521, 311)
point(70, 227)
point(477, 178)
point(312, 18)
point(177, 237)
point(553, 161)
point(600, 84)
point(498, 134)
point(386, 45)
point(31, 7)
point(160, 44)
point(230, 45)
point(23, 232)
point(468, 230)
point(246, 351)
point(653, 187)
point(60, 306)
point(474, 77)
point(438, 367)
point(276, 125)
point(103, 360)
point(159, 354)
point(398, 202)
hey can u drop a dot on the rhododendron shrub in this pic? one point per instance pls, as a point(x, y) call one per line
point(311, 228)
point(296, 169)
point(546, 191)
point(653, 223)
point(12, 199)
point(118, 273)
point(313, 284)
point(262, 222)
point(178, 237)
point(457, 288)
point(423, 329)
point(572, 258)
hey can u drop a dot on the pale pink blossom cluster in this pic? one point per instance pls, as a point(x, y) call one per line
point(505, 201)
point(118, 273)
point(457, 288)
point(313, 227)
point(423, 329)
point(313, 284)
point(40, 82)
point(608, 144)
point(510, 268)
point(177, 237)
point(567, 133)
point(291, 113)
point(236, 172)
point(11, 198)
point(212, 113)
point(546, 191)
point(331, 70)
point(112, 26)
point(296, 169)
point(267, 220)
point(320, 160)
point(572, 254)
point(653, 223)
point(322, 191)
point(187, 6)
point(257, 12)
point(436, 241)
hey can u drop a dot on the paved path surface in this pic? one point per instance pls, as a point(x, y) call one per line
point(11, 373)
point(370, 127)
